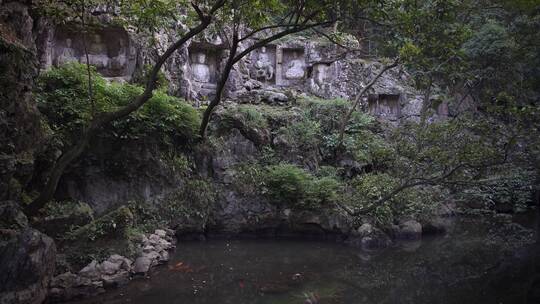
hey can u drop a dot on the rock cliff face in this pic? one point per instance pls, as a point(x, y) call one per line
point(27, 257)
point(113, 173)
point(27, 263)
point(298, 64)
point(21, 131)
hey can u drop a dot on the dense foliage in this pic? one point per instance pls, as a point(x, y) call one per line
point(62, 96)
point(479, 57)
point(386, 172)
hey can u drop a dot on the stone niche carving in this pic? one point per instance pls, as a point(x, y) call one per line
point(293, 66)
point(320, 75)
point(385, 105)
point(263, 66)
point(109, 50)
point(204, 62)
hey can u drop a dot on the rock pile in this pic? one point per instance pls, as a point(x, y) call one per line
point(116, 270)
point(154, 250)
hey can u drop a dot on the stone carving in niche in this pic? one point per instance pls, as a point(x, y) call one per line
point(66, 54)
point(201, 70)
point(109, 50)
point(293, 66)
point(204, 66)
point(119, 62)
point(319, 81)
point(98, 55)
point(264, 62)
point(384, 105)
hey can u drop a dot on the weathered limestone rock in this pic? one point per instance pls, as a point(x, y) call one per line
point(161, 233)
point(27, 258)
point(386, 106)
point(164, 257)
point(21, 134)
point(235, 150)
point(148, 248)
point(142, 264)
point(67, 286)
point(154, 250)
point(368, 237)
point(93, 182)
point(92, 279)
point(124, 262)
point(27, 263)
point(116, 279)
point(91, 271)
point(364, 230)
point(108, 267)
point(409, 230)
point(11, 217)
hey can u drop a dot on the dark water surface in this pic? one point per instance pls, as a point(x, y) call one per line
point(476, 262)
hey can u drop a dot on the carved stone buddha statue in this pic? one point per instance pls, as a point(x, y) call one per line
point(263, 66)
point(295, 68)
point(66, 55)
point(97, 53)
point(119, 62)
point(201, 70)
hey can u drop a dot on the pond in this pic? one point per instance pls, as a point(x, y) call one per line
point(476, 262)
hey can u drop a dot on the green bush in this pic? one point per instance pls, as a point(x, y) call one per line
point(513, 189)
point(163, 115)
point(365, 191)
point(329, 113)
point(246, 116)
point(111, 225)
point(320, 191)
point(56, 209)
point(288, 185)
point(146, 217)
point(192, 203)
point(321, 126)
point(62, 95)
point(304, 134)
point(249, 178)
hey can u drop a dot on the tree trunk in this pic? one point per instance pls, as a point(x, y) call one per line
point(219, 90)
point(426, 104)
point(536, 200)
